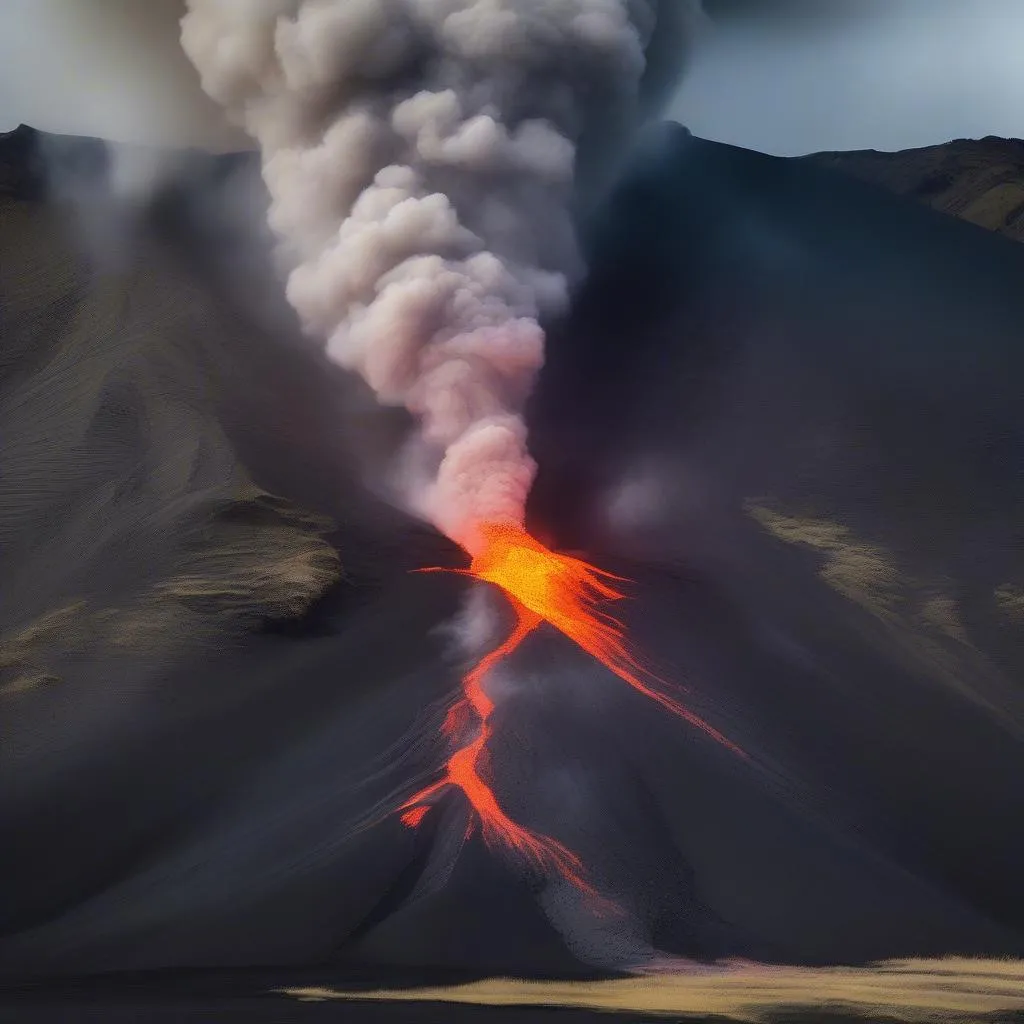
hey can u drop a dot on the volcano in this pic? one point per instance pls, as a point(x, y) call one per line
point(785, 407)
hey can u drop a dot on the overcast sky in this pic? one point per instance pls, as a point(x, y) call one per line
point(112, 68)
point(805, 75)
point(782, 76)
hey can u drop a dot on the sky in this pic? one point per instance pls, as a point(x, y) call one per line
point(112, 68)
point(809, 75)
point(782, 76)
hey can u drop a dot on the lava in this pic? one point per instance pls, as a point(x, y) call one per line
point(565, 592)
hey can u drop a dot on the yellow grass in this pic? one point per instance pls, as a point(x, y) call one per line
point(907, 990)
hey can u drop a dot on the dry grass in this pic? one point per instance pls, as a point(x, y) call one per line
point(951, 989)
point(992, 208)
point(1010, 601)
point(862, 572)
point(921, 623)
point(255, 559)
point(261, 559)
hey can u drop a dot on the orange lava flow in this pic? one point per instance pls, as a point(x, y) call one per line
point(565, 592)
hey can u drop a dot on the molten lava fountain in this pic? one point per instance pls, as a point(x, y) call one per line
point(565, 592)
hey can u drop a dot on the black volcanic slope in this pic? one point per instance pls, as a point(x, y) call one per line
point(786, 404)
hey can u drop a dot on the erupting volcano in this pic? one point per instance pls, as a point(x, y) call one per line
point(565, 592)
point(427, 165)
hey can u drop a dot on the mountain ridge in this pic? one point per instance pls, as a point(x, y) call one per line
point(978, 180)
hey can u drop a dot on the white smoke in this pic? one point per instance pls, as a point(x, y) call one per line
point(421, 158)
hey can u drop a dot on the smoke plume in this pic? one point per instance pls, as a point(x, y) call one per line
point(422, 158)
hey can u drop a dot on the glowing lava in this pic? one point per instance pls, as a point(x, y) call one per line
point(565, 592)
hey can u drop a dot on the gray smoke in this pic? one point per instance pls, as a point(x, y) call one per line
point(421, 157)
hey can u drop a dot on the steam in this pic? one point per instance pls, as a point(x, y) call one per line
point(421, 157)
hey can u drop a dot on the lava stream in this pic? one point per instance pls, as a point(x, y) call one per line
point(543, 586)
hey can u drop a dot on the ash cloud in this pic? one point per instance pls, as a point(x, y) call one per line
point(423, 158)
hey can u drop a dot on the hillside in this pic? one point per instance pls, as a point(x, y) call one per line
point(981, 180)
point(785, 405)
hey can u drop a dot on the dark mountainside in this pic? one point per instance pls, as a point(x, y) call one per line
point(217, 673)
